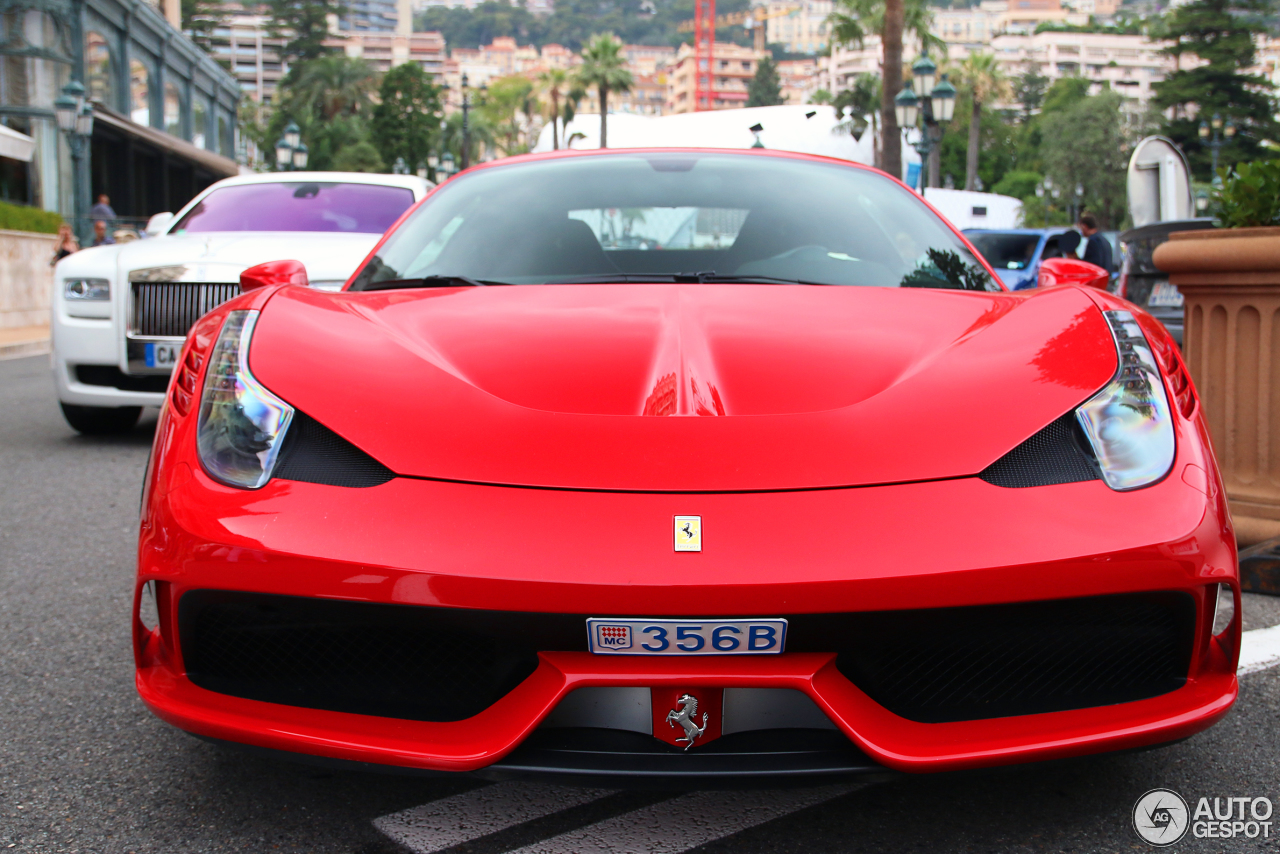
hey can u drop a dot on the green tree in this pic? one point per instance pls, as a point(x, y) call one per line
point(861, 100)
point(853, 21)
point(358, 157)
point(479, 132)
point(332, 86)
point(1084, 145)
point(200, 18)
point(304, 25)
point(406, 119)
point(998, 145)
point(604, 67)
point(1220, 32)
point(765, 88)
point(507, 104)
point(982, 80)
point(1028, 90)
point(552, 82)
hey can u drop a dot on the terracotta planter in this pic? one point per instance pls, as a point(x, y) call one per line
point(1230, 279)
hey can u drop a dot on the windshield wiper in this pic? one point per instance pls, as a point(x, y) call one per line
point(431, 282)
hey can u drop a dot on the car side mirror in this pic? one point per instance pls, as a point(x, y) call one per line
point(158, 223)
point(1071, 271)
point(273, 273)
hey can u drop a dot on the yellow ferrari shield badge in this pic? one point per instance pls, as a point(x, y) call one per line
point(688, 533)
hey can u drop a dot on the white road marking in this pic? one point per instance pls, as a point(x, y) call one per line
point(462, 818)
point(684, 822)
point(1259, 649)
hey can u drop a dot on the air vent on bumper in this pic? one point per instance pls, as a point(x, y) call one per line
point(1054, 455)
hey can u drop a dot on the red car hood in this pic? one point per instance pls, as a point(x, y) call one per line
point(683, 387)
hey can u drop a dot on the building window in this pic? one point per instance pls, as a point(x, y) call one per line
point(98, 70)
point(226, 144)
point(200, 122)
point(139, 92)
point(173, 111)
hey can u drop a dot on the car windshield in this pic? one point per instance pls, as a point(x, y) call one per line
point(1005, 250)
point(297, 206)
point(659, 216)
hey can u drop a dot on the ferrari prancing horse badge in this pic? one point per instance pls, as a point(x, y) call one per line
point(688, 533)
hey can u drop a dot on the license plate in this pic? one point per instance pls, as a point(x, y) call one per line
point(686, 637)
point(1165, 295)
point(162, 355)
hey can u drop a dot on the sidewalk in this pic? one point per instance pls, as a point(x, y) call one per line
point(24, 341)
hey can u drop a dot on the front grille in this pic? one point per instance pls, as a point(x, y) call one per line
point(396, 661)
point(929, 665)
point(170, 309)
point(958, 664)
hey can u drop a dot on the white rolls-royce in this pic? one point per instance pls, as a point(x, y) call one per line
point(121, 312)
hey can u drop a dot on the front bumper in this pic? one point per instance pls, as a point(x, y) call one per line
point(941, 544)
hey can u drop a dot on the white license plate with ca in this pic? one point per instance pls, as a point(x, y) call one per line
point(626, 636)
point(162, 355)
point(1164, 295)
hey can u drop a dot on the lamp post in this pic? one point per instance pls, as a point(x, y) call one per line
point(291, 151)
point(75, 120)
point(1215, 140)
point(934, 107)
point(466, 126)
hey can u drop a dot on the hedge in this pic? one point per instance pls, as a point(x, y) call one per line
point(23, 218)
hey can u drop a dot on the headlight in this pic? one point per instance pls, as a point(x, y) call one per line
point(241, 424)
point(86, 290)
point(1128, 422)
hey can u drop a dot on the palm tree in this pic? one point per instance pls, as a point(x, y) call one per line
point(552, 82)
point(853, 21)
point(980, 76)
point(861, 99)
point(604, 67)
point(333, 86)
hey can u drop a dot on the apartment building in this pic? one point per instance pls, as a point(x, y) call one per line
point(800, 26)
point(734, 66)
point(242, 45)
point(369, 16)
point(800, 79)
point(1127, 64)
point(386, 50)
point(502, 54)
point(647, 59)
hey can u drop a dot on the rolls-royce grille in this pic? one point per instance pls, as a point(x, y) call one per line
point(169, 309)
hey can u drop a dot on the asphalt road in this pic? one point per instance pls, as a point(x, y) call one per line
point(84, 767)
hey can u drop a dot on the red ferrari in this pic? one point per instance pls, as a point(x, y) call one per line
point(708, 466)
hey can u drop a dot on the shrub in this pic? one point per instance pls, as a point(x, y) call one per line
point(1249, 195)
point(23, 218)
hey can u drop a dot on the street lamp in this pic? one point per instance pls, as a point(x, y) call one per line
point(75, 120)
point(935, 106)
point(1215, 140)
point(291, 151)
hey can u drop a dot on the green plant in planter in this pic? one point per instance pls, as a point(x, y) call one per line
point(1249, 195)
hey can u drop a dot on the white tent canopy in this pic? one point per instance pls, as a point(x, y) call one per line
point(810, 129)
point(17, 146)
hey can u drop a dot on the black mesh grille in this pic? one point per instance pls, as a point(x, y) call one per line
point(1054, 455)
point(112, 377)
point(397, 661)
point(315, 454)
point(957, 664)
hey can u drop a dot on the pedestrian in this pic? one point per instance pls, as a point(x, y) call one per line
point(100, 236)
point(1097, 249)
point(65, 244)
point(102, 210)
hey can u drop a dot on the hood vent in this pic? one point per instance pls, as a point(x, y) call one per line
point(1054, 455)
point(313, 453)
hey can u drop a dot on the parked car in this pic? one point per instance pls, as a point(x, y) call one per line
point(1016, 253)
point(121, 312)
point(804, 494)
point(1144, 284)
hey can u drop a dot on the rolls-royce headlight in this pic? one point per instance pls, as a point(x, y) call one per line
point(1128, 422)
point(86, 290)
point(241, 425)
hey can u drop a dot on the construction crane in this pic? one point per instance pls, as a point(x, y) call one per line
point(753, 20)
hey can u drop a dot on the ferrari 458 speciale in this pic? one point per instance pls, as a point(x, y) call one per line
point(718, 466)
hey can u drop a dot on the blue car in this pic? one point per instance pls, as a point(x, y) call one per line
point(1015, 253)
